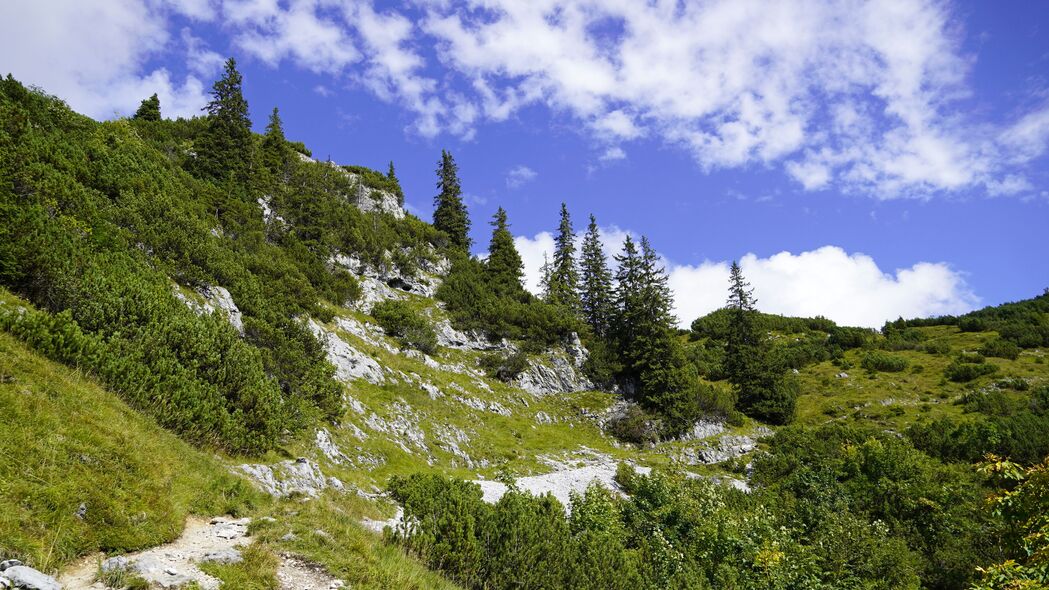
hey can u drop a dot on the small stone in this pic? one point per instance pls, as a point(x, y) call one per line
point(81, 511)
point(9, 563)
point(289, 537)
point(115, 564)
point(268, 519)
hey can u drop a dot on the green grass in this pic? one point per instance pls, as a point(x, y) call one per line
point(67, 443)
point(326, 530)
point(919, 392)
point(258, 570)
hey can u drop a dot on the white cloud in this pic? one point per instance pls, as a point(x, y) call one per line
point(848, 288)
point(612, 154)
point(858, 96)
point(301, 32)
point(519, 175)
point(91, 54)
point(199, 58)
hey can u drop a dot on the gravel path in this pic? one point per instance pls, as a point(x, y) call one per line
point(175, 564)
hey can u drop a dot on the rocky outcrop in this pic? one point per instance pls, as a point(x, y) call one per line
point(215, 298)
point(729, 446)
point(365, 197)
point(350, 363)
point(300, 476)
point(388, 281)
point(557, 371)
point(563, 481)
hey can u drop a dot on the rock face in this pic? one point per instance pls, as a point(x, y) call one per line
point(282, 479)
point(350, 363)
point(559, 371)
point(387, 281)
point(27, 578)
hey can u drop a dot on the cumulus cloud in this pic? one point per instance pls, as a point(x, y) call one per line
point(848, 288)
point(92, 54)
point(519, 175)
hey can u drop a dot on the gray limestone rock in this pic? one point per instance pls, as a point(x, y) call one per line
point(26, 578)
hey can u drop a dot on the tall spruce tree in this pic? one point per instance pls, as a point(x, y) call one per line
point(643, 331)
point(504, 267)
point(450, 215)
point(546, 271)
point(149, 109)
point(762, 390)
point(225, 149)
point(564, 281)
point(276, 153)
point(595, 289)
point(392, 175)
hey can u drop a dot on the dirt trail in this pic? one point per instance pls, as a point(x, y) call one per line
point(174, 564)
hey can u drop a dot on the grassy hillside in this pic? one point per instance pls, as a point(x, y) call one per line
point(81, 471)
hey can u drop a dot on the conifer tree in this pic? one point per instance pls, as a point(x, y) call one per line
point(276, 154)
point(149, 109)
point(450, 215)
point(545, 272)
point(564, 282)
point(224, 150)
point(595, 290)
point(761, 389)
point(504, 267)
point(643, 331)
point(392, 175)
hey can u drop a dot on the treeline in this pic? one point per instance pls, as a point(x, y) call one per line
point(836, 507)
point(96, 219)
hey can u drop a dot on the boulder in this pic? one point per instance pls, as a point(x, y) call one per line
point(27, 578)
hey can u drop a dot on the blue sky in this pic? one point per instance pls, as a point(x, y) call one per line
point(864, 160)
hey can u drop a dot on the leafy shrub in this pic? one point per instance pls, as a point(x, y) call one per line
point(403, 322)
point(879, 361)
point(1000, 348)
point(505, 367)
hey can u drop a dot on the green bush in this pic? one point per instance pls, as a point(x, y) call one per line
point(963, 372)
point(635, 426)
point(880, 361)
point(405, 324)
point(505, 367)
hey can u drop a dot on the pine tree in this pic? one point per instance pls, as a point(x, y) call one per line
point(276, 154)
point(392, 176)
point(545, 273)
point(564, 282)
point(504, 267)
point(761, 389)
point(149, 109)
point(450, 215)
point(595, 291)
point(224, 150)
